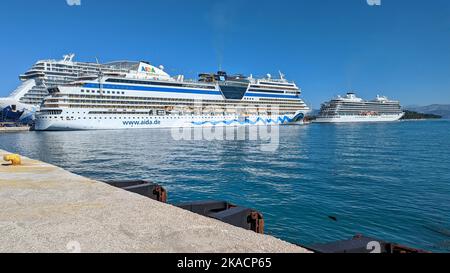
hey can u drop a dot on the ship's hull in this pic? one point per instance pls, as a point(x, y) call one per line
point(146, 122)
point(360, 118)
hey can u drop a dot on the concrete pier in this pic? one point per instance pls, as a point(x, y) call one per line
point(44, 208)
point(14, 129)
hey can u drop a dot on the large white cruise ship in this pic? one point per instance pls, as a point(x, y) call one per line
point(147, 97)
point(350, 108)
point(26, 99)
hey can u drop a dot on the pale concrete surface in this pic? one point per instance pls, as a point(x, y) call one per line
point(44, 208)
point(14, 129)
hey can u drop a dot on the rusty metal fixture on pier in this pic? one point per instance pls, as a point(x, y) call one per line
point(142, 187)
point(362, 244)
point(257, 222)
point(229, 213)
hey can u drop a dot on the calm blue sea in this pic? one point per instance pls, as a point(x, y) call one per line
point(387, 180)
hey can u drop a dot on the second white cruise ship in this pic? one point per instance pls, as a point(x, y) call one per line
point(350, 108)
point(147, 97)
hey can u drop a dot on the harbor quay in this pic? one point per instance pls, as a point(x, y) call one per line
point(13, 129)
point(44, 208)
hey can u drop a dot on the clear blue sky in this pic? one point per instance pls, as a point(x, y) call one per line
point(400, 49)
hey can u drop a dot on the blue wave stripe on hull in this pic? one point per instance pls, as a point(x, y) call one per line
point(280, 120)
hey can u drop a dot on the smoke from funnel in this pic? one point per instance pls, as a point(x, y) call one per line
point(221, 19)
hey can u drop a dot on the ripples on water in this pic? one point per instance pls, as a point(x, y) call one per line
point(387, 180)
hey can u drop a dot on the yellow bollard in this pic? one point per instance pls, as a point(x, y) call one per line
point(14, 159)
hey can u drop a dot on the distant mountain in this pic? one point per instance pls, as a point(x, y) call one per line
point(435, 109)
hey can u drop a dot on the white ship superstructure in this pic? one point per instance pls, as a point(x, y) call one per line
point(26, 99)
point(149, 98)
point(351, 108)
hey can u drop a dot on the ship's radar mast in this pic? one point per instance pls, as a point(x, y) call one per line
point(69, 57)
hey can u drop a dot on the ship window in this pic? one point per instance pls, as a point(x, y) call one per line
point(233, 92)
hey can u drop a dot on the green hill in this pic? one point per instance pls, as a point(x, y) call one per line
point(416, 115)
point(442, 110)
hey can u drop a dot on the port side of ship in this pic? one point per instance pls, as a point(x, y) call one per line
point(350, 109)
point(150, 98)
